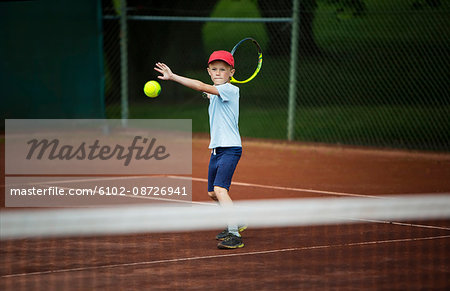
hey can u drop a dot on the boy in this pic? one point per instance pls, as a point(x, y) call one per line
point(225, 139)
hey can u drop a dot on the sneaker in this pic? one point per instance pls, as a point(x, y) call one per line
point(231, 242)
point(223, 234)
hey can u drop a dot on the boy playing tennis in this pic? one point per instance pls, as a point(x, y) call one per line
point(225, 139)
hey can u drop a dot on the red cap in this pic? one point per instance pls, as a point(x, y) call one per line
point(225, 56)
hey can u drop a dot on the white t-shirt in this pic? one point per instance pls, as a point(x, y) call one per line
point(224, 117)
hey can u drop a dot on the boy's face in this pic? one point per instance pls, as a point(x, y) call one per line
point(220, 72)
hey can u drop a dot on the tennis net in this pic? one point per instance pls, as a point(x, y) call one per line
point(393, 242)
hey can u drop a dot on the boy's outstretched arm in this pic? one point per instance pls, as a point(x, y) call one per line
point(167, 74)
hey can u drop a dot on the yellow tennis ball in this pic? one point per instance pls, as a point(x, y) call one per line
point(152, 89)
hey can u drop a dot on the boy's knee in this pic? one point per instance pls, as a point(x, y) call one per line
point(219, 191)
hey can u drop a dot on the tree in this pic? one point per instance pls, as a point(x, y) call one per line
point(281, 33)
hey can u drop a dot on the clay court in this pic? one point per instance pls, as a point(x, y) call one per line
point(371, 256)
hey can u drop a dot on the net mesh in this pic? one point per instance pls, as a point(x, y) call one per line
point(388, 242)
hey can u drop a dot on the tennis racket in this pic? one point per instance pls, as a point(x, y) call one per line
point(247, 60)
point(247, 56)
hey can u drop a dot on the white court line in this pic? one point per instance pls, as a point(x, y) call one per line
point(206, 180)
point(323, 192)
point(402, 224)
point(114, 179)
point(224, 256)
point(283, 188)
point(157, 198)
point(172, 200)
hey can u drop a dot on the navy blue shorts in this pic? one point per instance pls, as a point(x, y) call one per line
point(222, 164)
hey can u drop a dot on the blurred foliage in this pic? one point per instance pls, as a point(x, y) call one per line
point(371, 72)
point(347, 8)
point(222, 36)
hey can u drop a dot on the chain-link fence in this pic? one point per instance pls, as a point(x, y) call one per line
point(365, 72)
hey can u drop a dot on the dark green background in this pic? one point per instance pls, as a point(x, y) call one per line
point(51, 59)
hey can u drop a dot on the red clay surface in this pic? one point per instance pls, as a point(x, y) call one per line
point(369, 256)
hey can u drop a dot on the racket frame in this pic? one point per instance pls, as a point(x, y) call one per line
point(258, 67)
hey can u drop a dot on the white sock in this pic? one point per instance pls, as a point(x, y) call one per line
point(234, 230)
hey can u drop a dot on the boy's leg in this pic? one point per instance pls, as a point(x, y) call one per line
point(212, 171)
point(222, 196)
point(233, 239)
point(213, 196)
point(226, 202)
point(222, 235)
point(221, 169)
